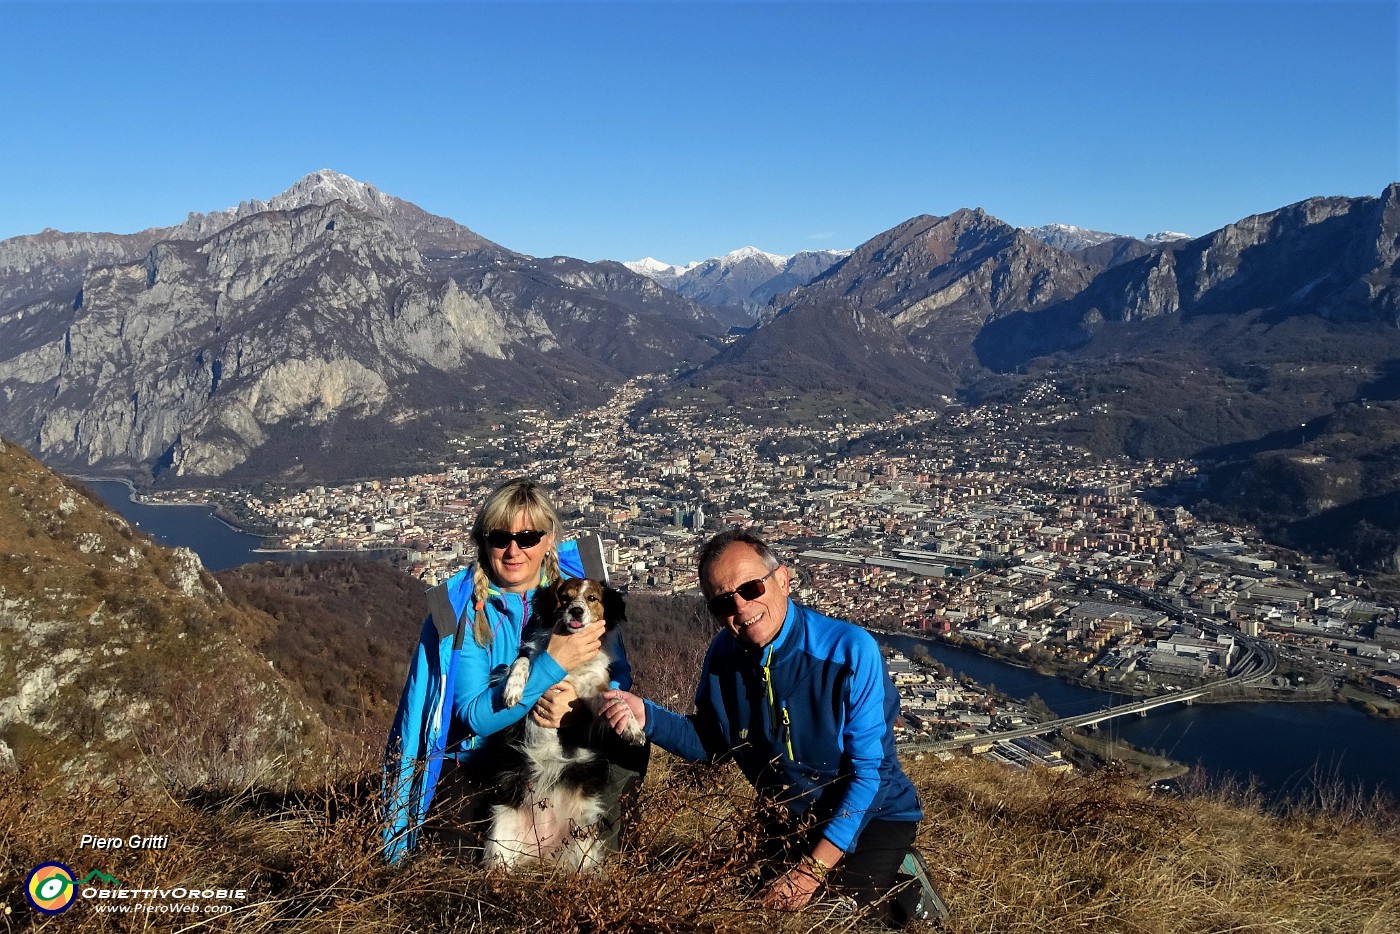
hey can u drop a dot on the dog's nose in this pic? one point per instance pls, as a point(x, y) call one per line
point(576, 612)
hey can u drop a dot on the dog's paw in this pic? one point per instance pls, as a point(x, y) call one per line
point(515, 682)
point(634, 733)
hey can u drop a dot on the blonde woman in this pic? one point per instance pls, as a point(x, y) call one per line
point(452, 697)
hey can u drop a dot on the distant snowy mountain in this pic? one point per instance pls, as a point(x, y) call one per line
point(740, 283)
point(661, 273)
point(1068, 237)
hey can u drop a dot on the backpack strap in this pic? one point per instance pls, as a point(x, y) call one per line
point(441, 608)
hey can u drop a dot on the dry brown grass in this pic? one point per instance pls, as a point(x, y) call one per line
point(1011, 853)
point(1041, 852)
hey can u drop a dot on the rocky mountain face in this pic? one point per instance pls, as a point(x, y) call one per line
point(411, 223)
point(1069, 237)
point(50, 262)
point(281, 336)
point(1078, 239)
point(33, 267)
point(1326, 259)
point(936, 281)
point(123, 661)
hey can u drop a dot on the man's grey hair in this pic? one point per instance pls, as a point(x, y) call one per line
point(735, 535)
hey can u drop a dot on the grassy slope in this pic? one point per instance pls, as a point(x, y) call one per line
point(1011, 852)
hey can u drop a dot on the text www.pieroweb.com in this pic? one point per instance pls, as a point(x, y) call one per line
point(123, 908)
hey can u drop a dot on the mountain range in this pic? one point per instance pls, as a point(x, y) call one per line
point(739, 284)
point(265, 337)
point(335, 330)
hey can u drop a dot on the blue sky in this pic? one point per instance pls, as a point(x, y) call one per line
point(684, 130)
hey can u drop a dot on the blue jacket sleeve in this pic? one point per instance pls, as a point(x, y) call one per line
point(863, 736)
point(702, 736)
point(620, 669)
point(674, 733)
point(477, 702)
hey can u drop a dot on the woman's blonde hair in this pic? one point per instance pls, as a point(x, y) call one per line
point(498, 512)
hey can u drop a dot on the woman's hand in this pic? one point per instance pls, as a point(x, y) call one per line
point(556, 705)
point(577, 647)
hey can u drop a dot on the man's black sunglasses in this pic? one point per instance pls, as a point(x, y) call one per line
point(724, 604)
point(529, 538)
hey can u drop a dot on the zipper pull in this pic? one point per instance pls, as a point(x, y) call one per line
point(787, 733)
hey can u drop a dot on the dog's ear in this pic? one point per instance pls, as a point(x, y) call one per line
point(546, 603)
point(614, 607)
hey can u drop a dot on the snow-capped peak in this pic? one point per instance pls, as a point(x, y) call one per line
point(752, 252)
point(1068, 237)
point(1167, 236)
point(324, 186)
point(655, 269)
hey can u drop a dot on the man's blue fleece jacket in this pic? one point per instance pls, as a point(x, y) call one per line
point(808, 718)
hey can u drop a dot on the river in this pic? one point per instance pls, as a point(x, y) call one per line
point(1287, 748)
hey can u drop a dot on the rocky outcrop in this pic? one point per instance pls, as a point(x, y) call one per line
point(122, 662)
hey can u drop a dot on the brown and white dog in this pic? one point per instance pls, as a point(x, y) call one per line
point(551, 781)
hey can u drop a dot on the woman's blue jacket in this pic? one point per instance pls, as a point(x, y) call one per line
point(452, 696)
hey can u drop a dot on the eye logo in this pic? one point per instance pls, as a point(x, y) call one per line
point(50, 888)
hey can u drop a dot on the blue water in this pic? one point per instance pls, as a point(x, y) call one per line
point(1287, 749)
point(219, 546)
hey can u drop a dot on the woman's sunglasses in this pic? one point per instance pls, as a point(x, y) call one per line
point(529, 538)
point(725, 605)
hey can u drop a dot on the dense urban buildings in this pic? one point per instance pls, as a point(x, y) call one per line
point(954, 524)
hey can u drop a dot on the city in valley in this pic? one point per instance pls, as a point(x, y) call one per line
point(954, 525)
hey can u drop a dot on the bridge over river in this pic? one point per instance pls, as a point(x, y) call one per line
point(1067, 723)
point(1256, 662)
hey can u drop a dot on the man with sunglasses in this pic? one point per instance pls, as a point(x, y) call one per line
point(805, 705)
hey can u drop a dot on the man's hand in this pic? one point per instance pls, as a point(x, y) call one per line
point(623, 709)
point(791, 891)
point(555, 706)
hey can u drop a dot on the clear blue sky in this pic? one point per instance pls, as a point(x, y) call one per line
point(684, 130)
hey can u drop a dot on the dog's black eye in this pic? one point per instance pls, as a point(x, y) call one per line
point(593, 597)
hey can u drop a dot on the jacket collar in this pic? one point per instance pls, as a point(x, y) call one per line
point(783, 637)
